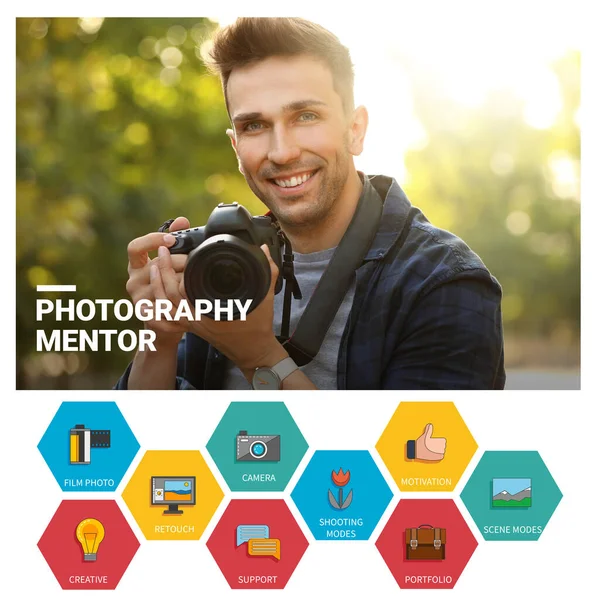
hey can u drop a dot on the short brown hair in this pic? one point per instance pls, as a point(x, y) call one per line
point(252, 39)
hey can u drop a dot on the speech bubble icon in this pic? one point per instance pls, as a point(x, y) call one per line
point(265, 547)
point(247, 532)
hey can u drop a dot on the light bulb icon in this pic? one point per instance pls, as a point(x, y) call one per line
point(89, 533)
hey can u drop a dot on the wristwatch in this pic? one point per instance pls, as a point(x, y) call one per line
point(271, 378)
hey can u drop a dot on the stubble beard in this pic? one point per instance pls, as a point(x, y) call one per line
point(317, 211)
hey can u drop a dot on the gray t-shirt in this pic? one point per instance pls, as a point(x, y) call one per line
point(322, 370)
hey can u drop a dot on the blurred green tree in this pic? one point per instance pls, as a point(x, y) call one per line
point(119, 127)
point(512, 192)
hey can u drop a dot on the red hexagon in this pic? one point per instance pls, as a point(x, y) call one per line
point(80, 554)
point(257, 544)
point(426, 573)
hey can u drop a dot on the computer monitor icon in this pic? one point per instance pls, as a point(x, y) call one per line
point(173, 491)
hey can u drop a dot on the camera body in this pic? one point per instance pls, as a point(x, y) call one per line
point(257, 447)
point(224, 256)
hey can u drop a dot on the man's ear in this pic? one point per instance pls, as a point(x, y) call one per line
point(231, 135)
point(358, 129)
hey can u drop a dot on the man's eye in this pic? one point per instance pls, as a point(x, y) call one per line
point(254, 126)
point(307, 117)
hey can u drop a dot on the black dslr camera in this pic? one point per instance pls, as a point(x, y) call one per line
point(225, 260)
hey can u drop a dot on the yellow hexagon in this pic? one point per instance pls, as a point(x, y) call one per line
point(172, 495)
point(426, 446)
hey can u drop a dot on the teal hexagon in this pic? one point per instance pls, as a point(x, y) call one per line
point(257, 446)
point(511, 495)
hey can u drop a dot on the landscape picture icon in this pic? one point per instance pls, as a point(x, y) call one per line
point(173, 491)
point(511, 492)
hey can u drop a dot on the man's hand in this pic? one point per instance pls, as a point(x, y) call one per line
point(144, 279)
point(250, 343)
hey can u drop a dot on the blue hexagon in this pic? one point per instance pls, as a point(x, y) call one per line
point(511, 495)
point(342, 495)
point(88, 446)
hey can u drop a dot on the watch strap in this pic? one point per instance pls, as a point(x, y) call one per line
point(284, 368)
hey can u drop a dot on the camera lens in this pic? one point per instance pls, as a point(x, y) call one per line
point(224, 268)
point(226, 277)
point(258, 449)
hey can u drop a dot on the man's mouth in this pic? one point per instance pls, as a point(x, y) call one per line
point(295, 181)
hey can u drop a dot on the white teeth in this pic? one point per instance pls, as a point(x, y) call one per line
point(294, 181)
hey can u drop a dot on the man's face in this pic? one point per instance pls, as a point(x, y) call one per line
point(291, 136)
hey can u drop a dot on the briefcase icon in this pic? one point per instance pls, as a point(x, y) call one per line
point(425, 543)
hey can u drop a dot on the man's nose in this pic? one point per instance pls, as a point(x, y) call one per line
point(284, 147)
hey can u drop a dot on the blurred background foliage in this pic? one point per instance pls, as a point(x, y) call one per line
point(119, 127)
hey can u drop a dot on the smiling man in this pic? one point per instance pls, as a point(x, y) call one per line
point(296, 150)
point(421, 310)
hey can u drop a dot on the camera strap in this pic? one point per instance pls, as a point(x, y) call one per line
point(305, 342)
point(292, 288)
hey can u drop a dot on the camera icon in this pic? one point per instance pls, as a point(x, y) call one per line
point(257, 447)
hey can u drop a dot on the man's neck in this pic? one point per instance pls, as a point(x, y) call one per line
point(329, 232)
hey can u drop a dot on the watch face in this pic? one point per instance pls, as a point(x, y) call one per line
point(265, 379)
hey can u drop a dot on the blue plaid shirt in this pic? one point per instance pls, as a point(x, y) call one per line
point(426, 314)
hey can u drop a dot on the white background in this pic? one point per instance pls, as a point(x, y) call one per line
point(562, 426)
point(557, 424)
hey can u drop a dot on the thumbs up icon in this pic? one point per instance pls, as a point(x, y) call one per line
point(426, 447)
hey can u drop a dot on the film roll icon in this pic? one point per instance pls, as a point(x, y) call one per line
point(82, 440)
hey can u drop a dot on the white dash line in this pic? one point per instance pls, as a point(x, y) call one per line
point(56, 288)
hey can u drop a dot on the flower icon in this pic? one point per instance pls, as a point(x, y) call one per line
point(340, 479)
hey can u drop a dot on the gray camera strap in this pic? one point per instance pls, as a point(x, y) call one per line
point(335, 282)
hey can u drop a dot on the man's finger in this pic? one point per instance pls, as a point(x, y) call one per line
point(179, 223)
point(138, 275)
point(428, 431)
point(273, 266)
point(178, 262)
point(182, 291)
point(138, 249)
point(169, 278)
point(156, 282)
point(141, 277)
